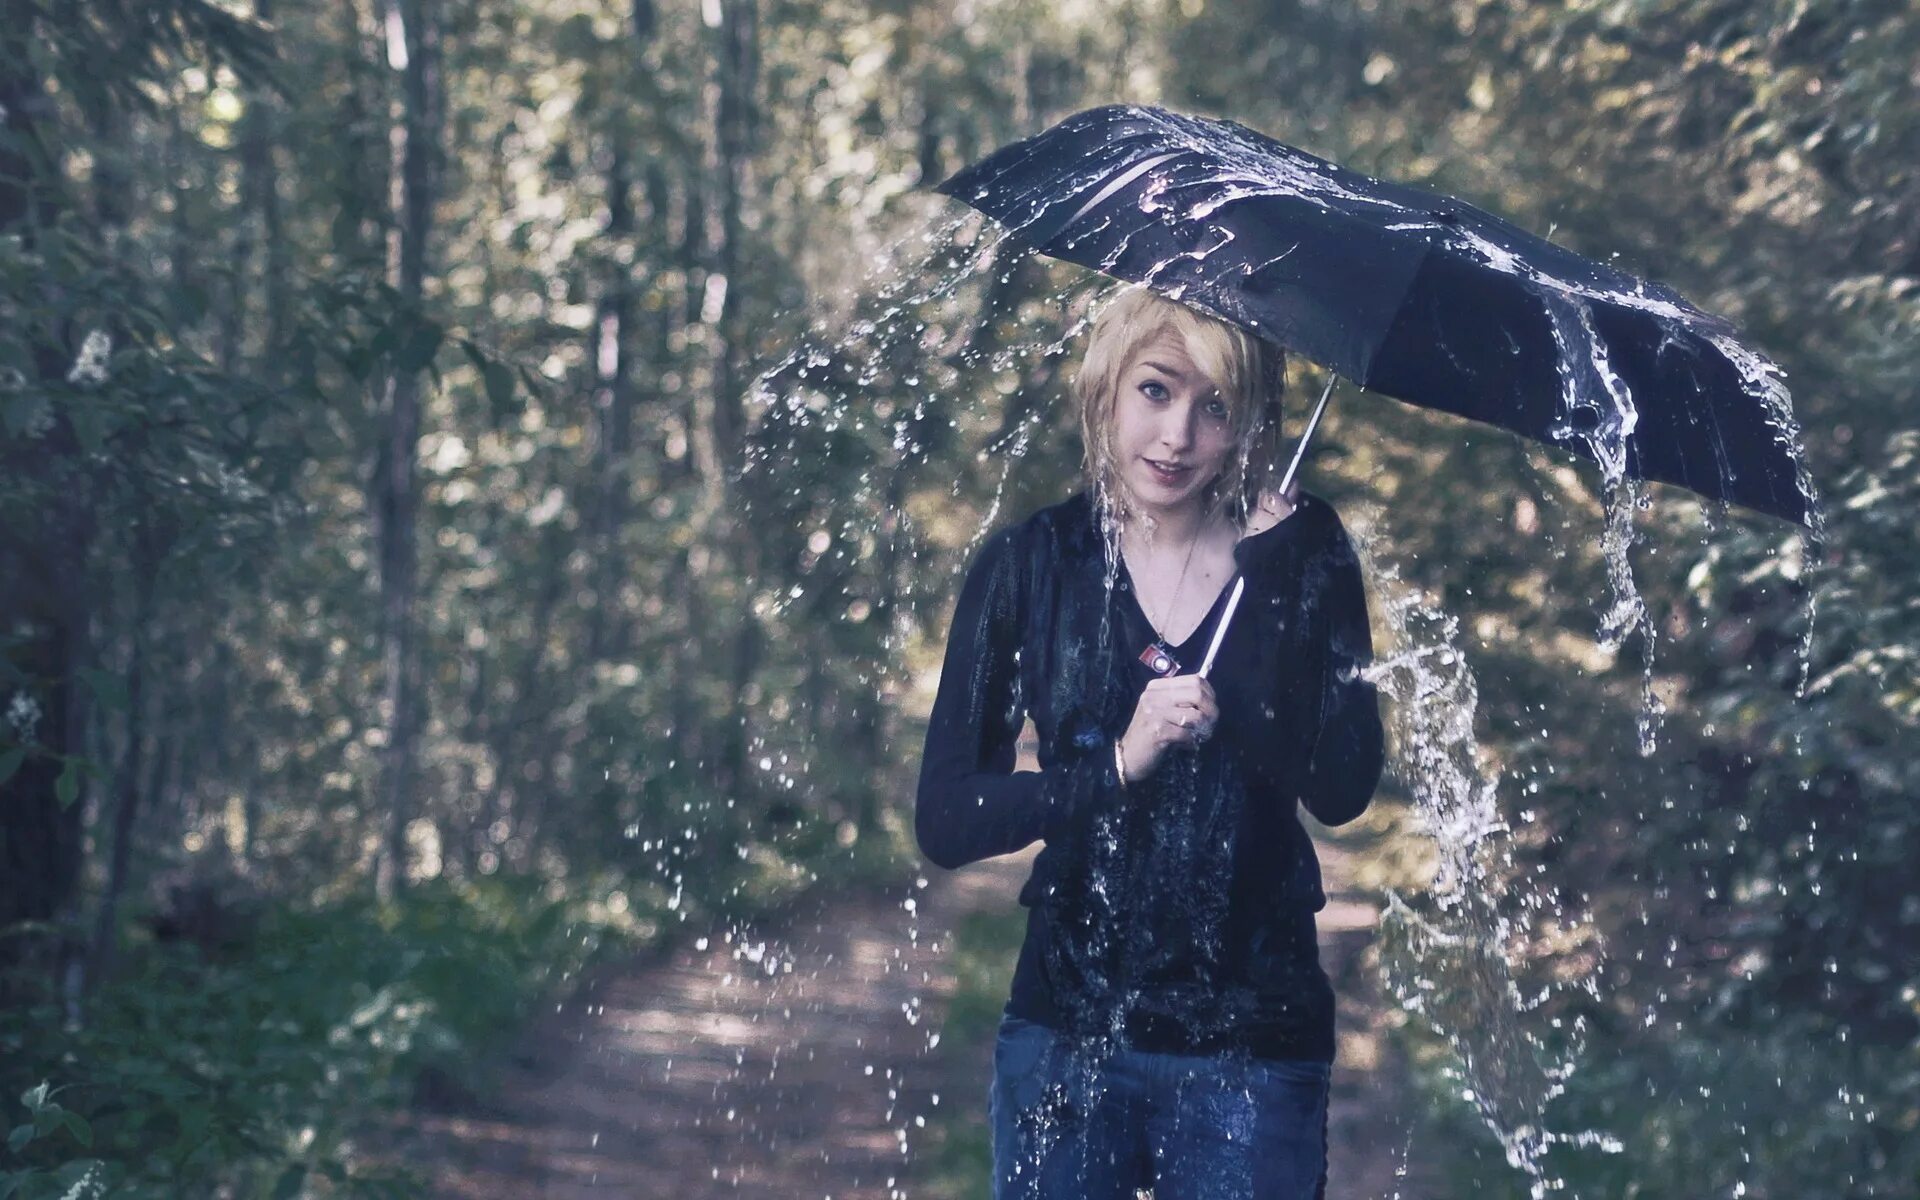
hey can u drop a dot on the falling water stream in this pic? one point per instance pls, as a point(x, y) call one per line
point(1454, 958)
point(1453, 964)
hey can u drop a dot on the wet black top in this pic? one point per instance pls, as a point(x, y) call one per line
point(1179, 910)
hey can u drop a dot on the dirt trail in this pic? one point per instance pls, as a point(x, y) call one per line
point(1372, 1135)
point(794, 1064)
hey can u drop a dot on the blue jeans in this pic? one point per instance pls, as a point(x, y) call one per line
point(1190, 1128)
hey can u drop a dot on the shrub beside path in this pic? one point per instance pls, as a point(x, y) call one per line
point(795, 1062)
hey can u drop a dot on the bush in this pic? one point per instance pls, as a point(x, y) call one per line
point(251, 1073)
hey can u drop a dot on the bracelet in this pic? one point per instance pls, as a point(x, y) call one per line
point(1120, 764)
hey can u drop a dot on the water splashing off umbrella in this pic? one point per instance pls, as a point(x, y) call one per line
point(1420, 297)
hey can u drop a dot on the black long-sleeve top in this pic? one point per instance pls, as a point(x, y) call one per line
point(1178, 911)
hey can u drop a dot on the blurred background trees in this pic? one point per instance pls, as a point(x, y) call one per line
point(469, 444)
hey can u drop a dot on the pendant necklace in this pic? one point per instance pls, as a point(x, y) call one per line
point(1158, 656)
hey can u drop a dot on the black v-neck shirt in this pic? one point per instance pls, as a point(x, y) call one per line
point(1180, 908)
point(1192, 652)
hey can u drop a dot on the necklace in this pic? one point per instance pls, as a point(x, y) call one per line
point(1158, 655)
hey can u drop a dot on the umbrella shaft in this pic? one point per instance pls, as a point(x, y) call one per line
point(1313, 423)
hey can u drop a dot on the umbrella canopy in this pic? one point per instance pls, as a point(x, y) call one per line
point(1407, 292)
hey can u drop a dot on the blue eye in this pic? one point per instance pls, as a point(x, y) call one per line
point(1218, 408)
point(1153, 390)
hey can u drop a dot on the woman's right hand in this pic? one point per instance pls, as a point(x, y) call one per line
point(1175, 711)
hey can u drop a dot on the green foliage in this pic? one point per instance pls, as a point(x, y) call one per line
point(982, 952)
point(50, 1122)
point(1694, 1108)
point(257, 1068)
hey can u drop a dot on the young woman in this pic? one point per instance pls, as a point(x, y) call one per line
point(1170, 1026)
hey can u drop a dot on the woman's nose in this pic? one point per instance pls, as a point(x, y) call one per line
point(1176, 427)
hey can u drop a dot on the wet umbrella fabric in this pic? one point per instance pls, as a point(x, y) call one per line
point(1408, 293)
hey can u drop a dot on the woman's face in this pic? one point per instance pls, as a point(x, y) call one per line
point(1168, 415)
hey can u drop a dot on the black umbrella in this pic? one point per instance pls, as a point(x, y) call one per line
point(1406, 292)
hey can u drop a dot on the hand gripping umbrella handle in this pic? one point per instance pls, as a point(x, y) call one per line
point(1240, 584)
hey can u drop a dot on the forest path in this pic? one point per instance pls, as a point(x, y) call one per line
point(783, 1063)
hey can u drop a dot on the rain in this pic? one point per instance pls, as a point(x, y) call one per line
point(1455, 957)
point(564, 636)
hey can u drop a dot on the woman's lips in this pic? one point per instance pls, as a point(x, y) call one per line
point(1169, 478)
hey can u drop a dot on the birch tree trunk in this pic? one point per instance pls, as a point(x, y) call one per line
point(413, 49)
point(736, 116)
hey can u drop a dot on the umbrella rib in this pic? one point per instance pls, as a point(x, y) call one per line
point(1119, 181)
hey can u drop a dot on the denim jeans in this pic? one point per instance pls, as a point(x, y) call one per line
point(1191, 1128)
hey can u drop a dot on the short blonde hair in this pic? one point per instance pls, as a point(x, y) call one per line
point(1250, 373)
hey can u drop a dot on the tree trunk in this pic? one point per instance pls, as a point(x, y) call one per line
point(414, 49)
point(260, 241)
point(44, 604)
point(130, 776)
point(613, 401)
point(508, 796)
point(734, 121)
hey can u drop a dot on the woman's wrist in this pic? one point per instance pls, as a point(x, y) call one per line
point(1120, 763)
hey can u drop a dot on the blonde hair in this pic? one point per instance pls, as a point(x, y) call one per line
point(1249, 372)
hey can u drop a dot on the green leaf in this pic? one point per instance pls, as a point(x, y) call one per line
point(422, 343)
point(71, 1175)
point(383, 343)
point(108, 688)
point(499, 380)
point(21, 1135)
point(497, 376)
point(291, 1181)
point(22, 412)
point(86, 425)
point(10, 761)
point(67, 787)
point(346, 226)
point(194, 1120)
point(78, 1127)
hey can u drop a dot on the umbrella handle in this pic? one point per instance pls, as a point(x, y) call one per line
point(1313, 423)
point(1220, 630)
